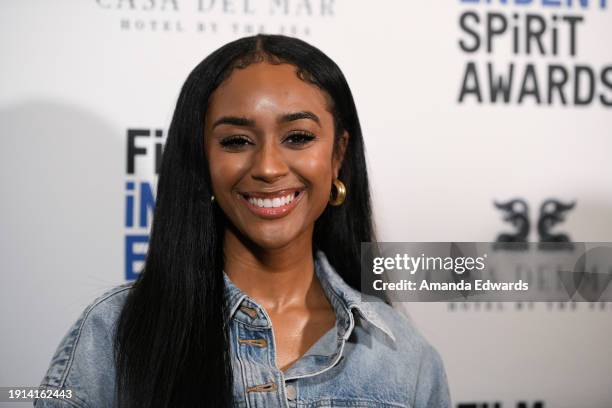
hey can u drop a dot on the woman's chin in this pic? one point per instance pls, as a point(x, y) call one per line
point(273, 238)
point(272, 242)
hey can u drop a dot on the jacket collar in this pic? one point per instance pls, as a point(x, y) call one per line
point(343, 298)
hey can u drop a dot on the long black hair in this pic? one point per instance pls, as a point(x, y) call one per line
point(171, 344)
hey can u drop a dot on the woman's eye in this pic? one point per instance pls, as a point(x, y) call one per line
point(235, 142)
point(299, 138)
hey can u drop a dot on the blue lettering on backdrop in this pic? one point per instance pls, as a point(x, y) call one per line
point(132, 256)
point(144, 146)
point(147, 204)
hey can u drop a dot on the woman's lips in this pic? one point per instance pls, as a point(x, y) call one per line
point(272, 205)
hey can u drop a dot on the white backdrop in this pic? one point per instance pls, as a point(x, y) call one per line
point(77, 76)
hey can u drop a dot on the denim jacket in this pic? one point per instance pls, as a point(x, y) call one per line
point(372, 357)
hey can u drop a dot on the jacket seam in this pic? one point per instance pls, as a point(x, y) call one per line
point(357, 402)
point(243, 368)
point(418, 379)
point(78, 336)
point(348, 310)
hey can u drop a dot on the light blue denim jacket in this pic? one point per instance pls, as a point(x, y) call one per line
point(372, 357)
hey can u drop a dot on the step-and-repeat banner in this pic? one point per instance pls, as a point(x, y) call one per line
point(483, 121)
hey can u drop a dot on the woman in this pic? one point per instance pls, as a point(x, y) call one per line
point(249, 296)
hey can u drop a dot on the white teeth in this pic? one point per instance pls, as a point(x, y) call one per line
point(271, 202)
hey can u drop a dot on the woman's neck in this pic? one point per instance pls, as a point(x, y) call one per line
point(276, 278)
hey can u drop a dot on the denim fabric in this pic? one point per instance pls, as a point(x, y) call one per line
point(372, 357)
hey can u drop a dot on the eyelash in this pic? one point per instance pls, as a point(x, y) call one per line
point(304, 138)
point(238, 141)
point(235, 142)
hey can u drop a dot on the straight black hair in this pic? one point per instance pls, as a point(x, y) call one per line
point(171, 345)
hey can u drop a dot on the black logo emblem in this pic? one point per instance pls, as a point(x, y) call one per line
point(552, 213)
point(516, 212)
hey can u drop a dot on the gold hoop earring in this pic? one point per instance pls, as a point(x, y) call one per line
point(340, 194)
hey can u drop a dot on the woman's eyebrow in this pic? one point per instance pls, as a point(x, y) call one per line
point(289, 117)
point(234, 120)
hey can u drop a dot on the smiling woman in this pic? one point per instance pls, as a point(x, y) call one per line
point(249, 296)
point(270, 148)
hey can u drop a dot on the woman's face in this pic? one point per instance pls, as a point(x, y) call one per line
point(269, 141)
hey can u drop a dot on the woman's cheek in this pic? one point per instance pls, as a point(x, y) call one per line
point(313, 164)
point(317, 173)
point(226, 170)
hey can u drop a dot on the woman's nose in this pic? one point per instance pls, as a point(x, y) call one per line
point(269, 164)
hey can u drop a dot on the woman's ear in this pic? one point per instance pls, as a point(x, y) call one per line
point(339, 152)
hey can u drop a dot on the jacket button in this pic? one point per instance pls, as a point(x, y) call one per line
point(291, 392)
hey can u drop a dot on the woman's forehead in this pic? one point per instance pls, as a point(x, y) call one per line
point(263, 87)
